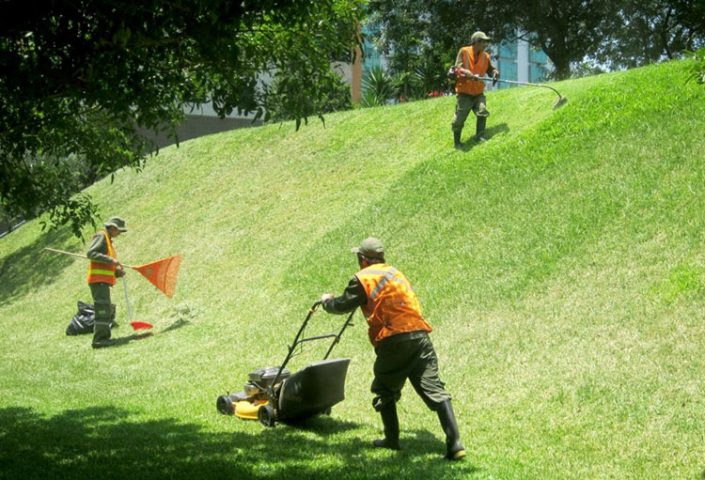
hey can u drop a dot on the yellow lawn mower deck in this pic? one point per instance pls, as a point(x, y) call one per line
point(273, 394)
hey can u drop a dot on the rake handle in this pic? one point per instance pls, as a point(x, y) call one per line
point(127, 301)
point(79, 255)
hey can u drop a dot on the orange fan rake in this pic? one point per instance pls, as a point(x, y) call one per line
point(161, 273)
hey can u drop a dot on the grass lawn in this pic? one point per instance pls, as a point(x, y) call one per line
point(561, 264)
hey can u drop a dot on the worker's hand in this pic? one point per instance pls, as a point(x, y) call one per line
point(326, 296)
point(120, 272)
point(495, 77)
point(472, 76)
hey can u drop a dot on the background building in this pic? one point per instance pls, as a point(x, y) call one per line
point(520, 62)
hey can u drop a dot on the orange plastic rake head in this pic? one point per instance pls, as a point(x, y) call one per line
point(162, 273)
point(140, 325)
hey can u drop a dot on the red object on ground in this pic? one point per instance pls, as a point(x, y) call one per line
point(140, 325)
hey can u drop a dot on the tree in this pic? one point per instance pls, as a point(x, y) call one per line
point(697, 68)
point(646, 31)
point(82, 78)
point(617, 34)
point(565, 30)
point(420, 38)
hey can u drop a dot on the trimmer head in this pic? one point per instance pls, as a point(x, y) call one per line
point(561, 101)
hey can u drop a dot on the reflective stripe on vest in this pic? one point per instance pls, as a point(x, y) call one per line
point(101, 272)
point(478, 67)
point(392, 306)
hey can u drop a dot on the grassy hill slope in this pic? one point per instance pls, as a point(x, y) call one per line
point(562, 265)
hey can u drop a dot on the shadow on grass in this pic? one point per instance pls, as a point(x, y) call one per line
point(106, 443)
point(489, 133)
point(180, 323)
point(32, 268)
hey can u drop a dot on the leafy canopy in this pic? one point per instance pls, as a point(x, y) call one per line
point(86, 79)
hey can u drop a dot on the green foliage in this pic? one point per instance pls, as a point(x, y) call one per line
point(639, 32)
point(697, 69)
point(88, 80)
point(620, 34)
point(378, 87)
point(283, 99)
point(410, 85)
point(561, 265)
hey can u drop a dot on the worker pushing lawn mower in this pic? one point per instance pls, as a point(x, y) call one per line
point(399, 335)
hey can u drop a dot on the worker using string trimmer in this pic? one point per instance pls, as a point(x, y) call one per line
point(103, 269)
point(399, 334)
point(471, 64)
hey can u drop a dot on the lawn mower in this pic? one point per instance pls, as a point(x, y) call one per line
point(274, 394)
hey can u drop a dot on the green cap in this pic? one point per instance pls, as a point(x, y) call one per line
point(116, 222)
point(370, 247)
point(477, 36)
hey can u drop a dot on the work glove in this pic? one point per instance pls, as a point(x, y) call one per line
point(326, 296)
point(452, 73)
point(120, 272)
point(495, 77)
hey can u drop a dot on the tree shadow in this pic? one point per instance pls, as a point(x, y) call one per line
point(489, 134)
point(31, 267)
point(113, 443)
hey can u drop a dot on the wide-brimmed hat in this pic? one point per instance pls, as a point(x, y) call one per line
point(477, 36)
point(370, 247)
point(116, 222)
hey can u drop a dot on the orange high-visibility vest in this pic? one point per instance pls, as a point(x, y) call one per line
point(101, 272)
point(478, 67)
point(392, 306)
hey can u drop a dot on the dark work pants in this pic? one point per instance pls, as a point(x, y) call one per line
point(103, 317)
point(412, 356)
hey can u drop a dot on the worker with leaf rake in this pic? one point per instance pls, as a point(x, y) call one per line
point(103, 269)
point(399, 334)
point(471, 65)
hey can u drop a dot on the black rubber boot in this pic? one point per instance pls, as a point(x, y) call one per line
point(391, 428)
point(454, 449)
point(456, 139)
point(480, 129)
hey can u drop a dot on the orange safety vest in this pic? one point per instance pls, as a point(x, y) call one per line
point(392, 306)
point(101, 272)
point(478, 67)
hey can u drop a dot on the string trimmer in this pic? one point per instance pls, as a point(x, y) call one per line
point(559, 103)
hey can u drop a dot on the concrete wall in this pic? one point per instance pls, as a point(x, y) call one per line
point(198, 125)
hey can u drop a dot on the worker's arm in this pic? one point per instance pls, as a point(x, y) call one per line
point(352, 297)
point(492, 69)
point(99, 249)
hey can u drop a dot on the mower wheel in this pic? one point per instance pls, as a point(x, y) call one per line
point(265, 415)
point(225, 405)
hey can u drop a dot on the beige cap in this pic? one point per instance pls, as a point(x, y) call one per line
point(478, 36)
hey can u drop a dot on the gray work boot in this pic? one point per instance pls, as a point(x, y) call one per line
point(391, 428)
point(456, 139)
point(454, 449)
point(480, 129)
